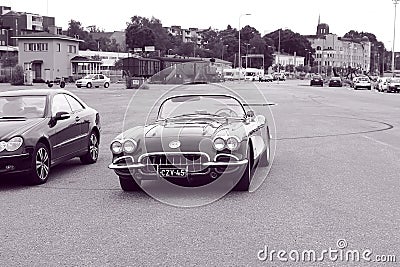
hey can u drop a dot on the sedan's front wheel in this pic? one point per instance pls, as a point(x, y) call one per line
point(93, 150)
point(40, 167)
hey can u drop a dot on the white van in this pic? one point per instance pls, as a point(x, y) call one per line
point(253, 74)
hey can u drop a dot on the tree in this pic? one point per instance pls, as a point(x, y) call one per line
point(290, 42)
point(141, 32)
point(9, 60)
point(17, 77)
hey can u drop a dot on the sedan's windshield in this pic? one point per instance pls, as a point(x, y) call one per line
point(193, 106)
point(22, 107)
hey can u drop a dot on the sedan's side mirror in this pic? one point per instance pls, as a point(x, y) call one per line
point(62, 115)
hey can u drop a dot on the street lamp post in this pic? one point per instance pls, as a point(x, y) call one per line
point(395, 2)
point(240, 58)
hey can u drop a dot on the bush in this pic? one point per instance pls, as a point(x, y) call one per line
point(17, 77)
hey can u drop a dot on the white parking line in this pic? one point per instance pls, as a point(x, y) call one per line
point(381, 143)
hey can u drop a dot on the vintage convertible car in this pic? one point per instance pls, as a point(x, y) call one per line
point(195, 139)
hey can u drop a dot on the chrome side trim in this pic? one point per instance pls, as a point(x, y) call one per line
point(14, 156)
point(235, 163)
point(70, 140)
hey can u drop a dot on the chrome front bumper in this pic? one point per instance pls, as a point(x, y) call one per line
point(235, 162)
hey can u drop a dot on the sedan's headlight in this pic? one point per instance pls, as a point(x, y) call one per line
point(232, 143)
point(116, 147)
point(3, 145)
point(14, 143)
point(129, 146)
point(219, 143)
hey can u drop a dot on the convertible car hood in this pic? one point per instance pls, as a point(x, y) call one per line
point(187, 129)
point(10, 128)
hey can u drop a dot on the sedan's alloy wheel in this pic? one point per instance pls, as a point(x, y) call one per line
point(42, 163)
point(94, 147)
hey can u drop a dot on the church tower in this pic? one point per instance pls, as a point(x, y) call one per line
point(322, 28)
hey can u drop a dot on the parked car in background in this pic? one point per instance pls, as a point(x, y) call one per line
point(393, 85)
point(335, 82)
point(266, 78)
point(382, 84)
point(317, 80)
point(362, 82)
point(95, 80)
point(42, 128)
point(279, 76)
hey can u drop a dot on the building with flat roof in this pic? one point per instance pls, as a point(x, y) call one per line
point(47, 55)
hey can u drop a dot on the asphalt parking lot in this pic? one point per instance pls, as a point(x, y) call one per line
point(335, 175)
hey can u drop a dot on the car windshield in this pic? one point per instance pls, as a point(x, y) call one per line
point(22, 107)
point(90, 76)
point(192, 106)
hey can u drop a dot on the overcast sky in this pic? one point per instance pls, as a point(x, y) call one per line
point(375, 16)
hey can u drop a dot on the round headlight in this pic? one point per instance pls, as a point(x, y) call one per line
point(232, 143)
point(219, 143)
point(116, 147)
point(3, 145)
point(129, 146)
point(14, 143)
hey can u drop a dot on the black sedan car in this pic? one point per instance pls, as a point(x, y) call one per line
point(41, 128)
point(317, 80)
point(335, 82)
point(195, 138)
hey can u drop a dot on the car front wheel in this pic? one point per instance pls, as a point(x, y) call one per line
point(40, 167)
point(244, 182)
point(89, 85)
point(106, 85)
point(128, 183)
point(92, 150)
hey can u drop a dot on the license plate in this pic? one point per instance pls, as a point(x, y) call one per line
point(170, 172)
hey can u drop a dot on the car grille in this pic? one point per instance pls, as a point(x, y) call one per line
point(192, 161)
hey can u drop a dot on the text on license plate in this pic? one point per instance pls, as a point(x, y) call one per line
point(172, 172)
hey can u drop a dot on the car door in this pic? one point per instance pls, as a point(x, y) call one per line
point(64, 133)
point(82, 118)
point(102, 80)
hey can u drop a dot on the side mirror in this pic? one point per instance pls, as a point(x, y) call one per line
point(250, 116)
point(61, 116)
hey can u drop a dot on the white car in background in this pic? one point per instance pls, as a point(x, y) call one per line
point(393, 85)
point(383, 84)
point(362, 82)
point(95, 80)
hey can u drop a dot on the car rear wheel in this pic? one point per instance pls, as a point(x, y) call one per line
point(244, 182)
point(89, 85)
point(78, 86)
point(93, 150)
point(106, 85)
point(128, 183)
point(40, 167)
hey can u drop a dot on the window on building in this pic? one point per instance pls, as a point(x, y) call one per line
point(36, 47)
point(72, 49)
point(58, 49)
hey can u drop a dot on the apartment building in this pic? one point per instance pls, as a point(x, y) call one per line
point(14, 23)
point(188, 35)
point(332, 50)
